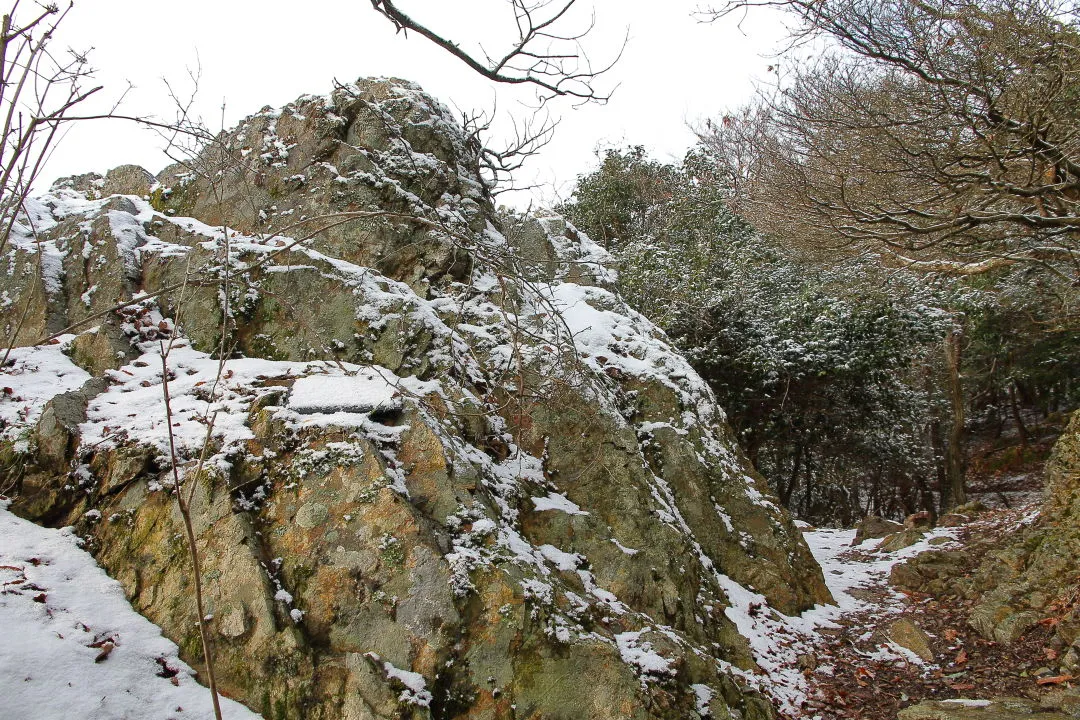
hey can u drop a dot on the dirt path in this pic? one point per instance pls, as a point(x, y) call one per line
point(861, 674)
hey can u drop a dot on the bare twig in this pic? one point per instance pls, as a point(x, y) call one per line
point(545, 54)
point(184, 505)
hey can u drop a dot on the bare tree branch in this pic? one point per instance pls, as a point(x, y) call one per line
point(544, 55)
point(945, 128)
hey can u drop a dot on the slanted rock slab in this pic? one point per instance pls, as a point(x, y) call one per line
point(910, 636)
point(901, 540)
point(1004, 709)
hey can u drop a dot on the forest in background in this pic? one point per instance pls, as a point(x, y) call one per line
point(874, 263)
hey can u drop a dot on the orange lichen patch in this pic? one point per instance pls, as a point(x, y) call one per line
point(390, 514)
point(626, 706)
point(328, 589)
point(425, 658)
point(301, 542)
point(486, 705)
point(361, 474)
point(422, 454)
point(495, 596)
point(254, 447)
point(554, 528)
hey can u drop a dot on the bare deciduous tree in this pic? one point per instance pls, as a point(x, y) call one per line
point(946, 131)
point(38, 90)
point(528, 137)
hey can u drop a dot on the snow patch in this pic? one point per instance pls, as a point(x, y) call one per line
point(969, 703)
point(640, 655)
point(415, 692)
point(559, 502)
point(33, 377)
point(703, 695)
point(60, 612)
point(367, 391)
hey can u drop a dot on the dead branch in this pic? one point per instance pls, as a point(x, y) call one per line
point(545, 54)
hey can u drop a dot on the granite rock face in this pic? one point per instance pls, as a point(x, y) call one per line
point(437, 467)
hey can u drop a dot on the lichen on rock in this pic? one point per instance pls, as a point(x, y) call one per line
point(447, 471)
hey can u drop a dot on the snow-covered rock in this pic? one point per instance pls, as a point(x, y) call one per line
point(442, 467)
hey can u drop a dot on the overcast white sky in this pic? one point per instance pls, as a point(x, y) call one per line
point(674, 69)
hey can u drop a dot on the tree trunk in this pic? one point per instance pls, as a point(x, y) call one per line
point(873, 498)
point(809, 491)
point(1017, 418)
point(937, 442)
point(752, 443)
point(954, 493)
point(793, 482)
point(999, 420)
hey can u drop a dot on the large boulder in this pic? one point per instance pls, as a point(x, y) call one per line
point(433, 471)
point(998, 709)
point(872, 527)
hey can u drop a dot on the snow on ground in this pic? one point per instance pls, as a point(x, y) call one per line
point(205, 393)
point(35, 375)
point(61, 613)
point(848, 568)
point(778, 641)
point(133, 407)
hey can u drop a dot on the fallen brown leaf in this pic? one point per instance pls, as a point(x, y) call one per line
point(106, 650)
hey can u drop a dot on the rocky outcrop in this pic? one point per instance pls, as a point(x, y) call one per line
point(1032, 577)
point(437, 467)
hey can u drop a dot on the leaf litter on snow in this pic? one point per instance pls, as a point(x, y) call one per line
point(856, 673)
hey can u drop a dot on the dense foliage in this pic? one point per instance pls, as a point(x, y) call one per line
point(822, 368)
point(834, 369)
point(1023, 354)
